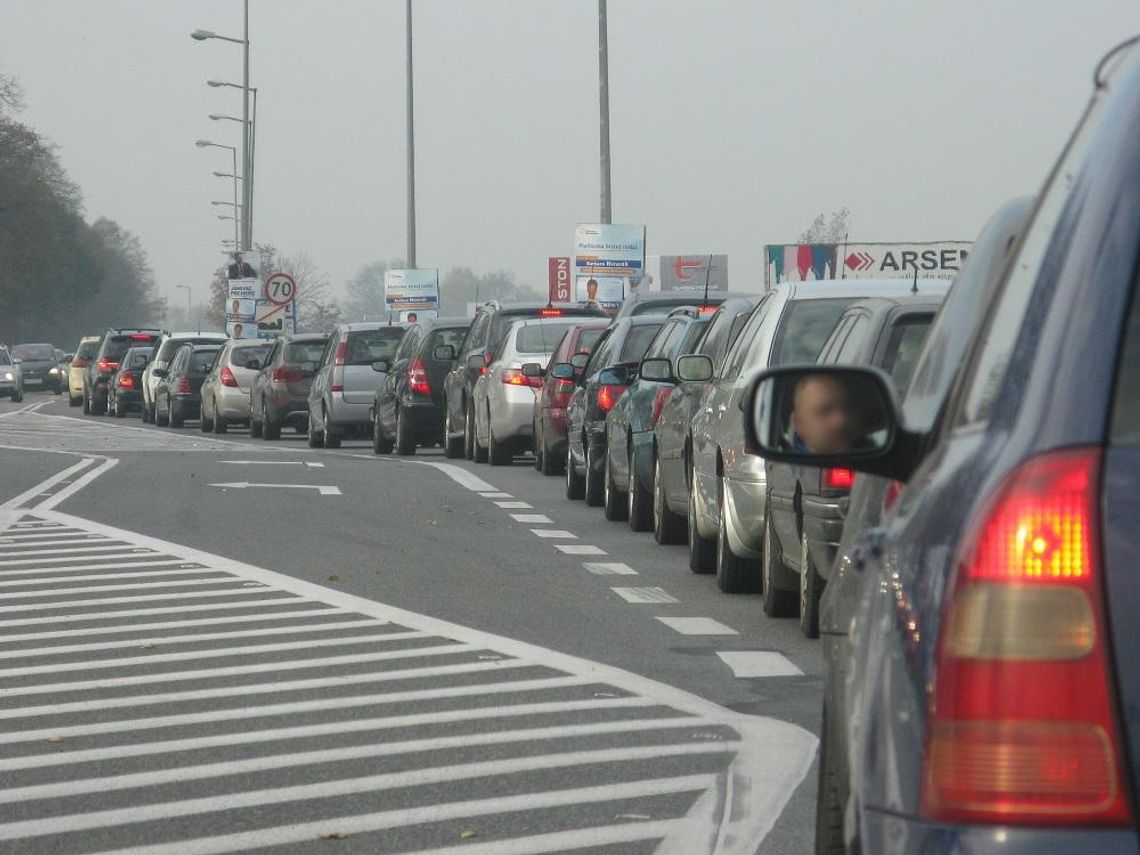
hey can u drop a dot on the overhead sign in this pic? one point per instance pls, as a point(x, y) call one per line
point(280, 288)
point(820, 261)
point(411, 289)
point(244, 289)
point(686, 272)
point(558, 279)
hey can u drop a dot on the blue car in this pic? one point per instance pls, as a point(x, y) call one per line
point(993, 697)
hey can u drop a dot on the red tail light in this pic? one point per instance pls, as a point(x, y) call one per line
point(227, 377)
point(336, 387)
point(1022, 726)
point(561, 392)
point(894, 488)
point(707, 310)
point(80, 362)
point(141, 337)
point(184, 386)
point(286, 375)
point(127, 381)
point(488, 358)
point(659, 402)
point(106, 366)
point(837, 478)
point(417, 378)
point(550, 313)
point(515, 377)
point(341, 352)
point(608, 395)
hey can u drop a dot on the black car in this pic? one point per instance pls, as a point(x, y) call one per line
point(40, 367)
point(612, 366)
point(478, 350)
point(806, 503)
point(178, 396)
point(124, 392)
point(98, 374)
point(408, 409)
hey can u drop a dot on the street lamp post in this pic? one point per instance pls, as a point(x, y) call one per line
point(187, 289)
point(237, 207)
point(411, 147)
point(248, 174)
point(604, 110)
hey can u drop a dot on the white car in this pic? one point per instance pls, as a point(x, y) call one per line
point(164, 350)
point(11, 381)
point(504, 395)
point(88, 345)
point(225, 391)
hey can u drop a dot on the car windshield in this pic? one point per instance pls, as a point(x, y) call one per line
point(540, 338)
point(5, 359)
point(637, 342)
point(86, 350)
point(587, 338)
point(304, 351)
point(368, 346)
point(34, 352)
point(805, 328)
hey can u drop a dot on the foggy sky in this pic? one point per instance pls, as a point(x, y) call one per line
point(733, 122)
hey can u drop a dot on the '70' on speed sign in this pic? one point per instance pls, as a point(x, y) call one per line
point(280, 288)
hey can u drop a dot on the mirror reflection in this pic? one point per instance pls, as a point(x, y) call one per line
point(822, 413)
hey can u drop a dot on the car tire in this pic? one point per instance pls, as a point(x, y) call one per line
point(595, 483)
point(702, 550)
point(316, 437)
point(452, 445)
point(72, 401)
point(98, 408)
point(778, 602)
point(380, 443)
point(481, 452)
point(159, 418)
point(147, 417)
point(734, 575)
point(469, 432)
point(811, 587)
point(332, 438)
point(86, 403)
point(498, 453)
point(613, 503)
point(828, 807)
point(256, 426)
point(575, 483)
point(174, 416)
point(639, 502)
point(220, 425)
point(668, 527)
point(405, 442)
point(204, 424)
point(536, 447)
point(17, 395)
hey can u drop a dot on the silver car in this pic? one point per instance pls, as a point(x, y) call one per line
point(504, 394)
point(225, 391)
point(164, 350)
point(350, 372)
point(11, 380)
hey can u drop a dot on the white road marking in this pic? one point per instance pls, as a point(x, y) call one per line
point(278, 599)
point(697, 626)
point(507, 505)
point(243, 485)
point(22, 499)
point(759, 663)
point(579, 549)
point(564, 841)
point(496, 495)
point(645, 595)
point(172, 624)
point(553, 533)
point(534, 519)
point(459, 475)
point(97, 589)
point(17, 555)
point(274, 463)
point(49, 580)
point(107, 601)
point(78, 484)
point(611, 568)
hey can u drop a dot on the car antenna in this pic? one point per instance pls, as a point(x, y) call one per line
point(914, 285)
point(708, 273)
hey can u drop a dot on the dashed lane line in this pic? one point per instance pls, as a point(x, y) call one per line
point(697, 626)
point(609, 568)
point(553, 533)
point(759, 663)
point(645, 595)
point(579, 549)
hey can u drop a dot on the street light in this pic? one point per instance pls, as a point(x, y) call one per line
point(201, 36)
point(248, 166)
point(231, 204)
point(233, 152)
point(227, 175)
point(219, 118)
point(187, 289)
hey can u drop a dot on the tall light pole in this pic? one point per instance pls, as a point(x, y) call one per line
point(411, 262)
point(249, 173)
point(237, 207)
point(604, 110)
point(187, 289)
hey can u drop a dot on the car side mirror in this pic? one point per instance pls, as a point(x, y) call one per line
point(835, 416)
point(159, 372)
point(694, 368)
point(443, 353)
point(253, 364)
point(617, 375)
point(532, 369)
point(476, 361)
point(381, 365)
point(656, 370)
point(562, 371)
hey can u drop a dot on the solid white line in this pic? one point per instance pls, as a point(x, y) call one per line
point(106, 601)
point(33, 492)
point(594, 836)
point(309, 831)
point(553, 533)
point(57, 580)
point(146, 659)
point(118, 565)
point(77, 553)
point(508, 505)
point(576, 549)
point(209, 673)
point(156, 640)
point(226, 768)
point(534, 519)
point(645, 595)
point(609, 569)
point(225, 579)
point(496, 495)
point(278, 598)
point(77, 485)
point(759, 663)
point(328, 728)
point(342, 787)
point(697, 626)
point(32, 549)
point(274, 463)
point(48, 539)
point(283, 687)
point(174, 624)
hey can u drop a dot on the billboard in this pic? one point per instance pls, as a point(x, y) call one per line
point(817, 261)
point(411, 290)
point(244, 289)
point(272, 320)
point(686, 272)
point(558, 279)
point(608, 259)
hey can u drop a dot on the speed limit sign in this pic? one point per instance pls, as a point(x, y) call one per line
point(280, 288)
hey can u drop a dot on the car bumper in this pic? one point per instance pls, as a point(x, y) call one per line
point(342, 413)
point(823, 528)
point(746, 506)
point(425, 418)
point(284, 409)
point(232, 403)
point(188, 408)
point(129, 398)
point(512, 414)
point(75, 384)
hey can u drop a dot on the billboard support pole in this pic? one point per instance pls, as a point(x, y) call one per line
point(411, 262)
point(604, 110)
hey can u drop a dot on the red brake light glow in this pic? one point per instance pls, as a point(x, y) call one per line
point(838, 478)
point(894, 488)
point(417, 378)
point(127, 381)
point(608, 395)
point(550, 313)
point(1022, 723)
point(341, 352)
point(707, 310)
point(141, 337)
point(515, 377)
point(227, 377)
point(106, 366)
point(184, 386)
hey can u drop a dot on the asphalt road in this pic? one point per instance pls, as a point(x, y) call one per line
point(216, 644)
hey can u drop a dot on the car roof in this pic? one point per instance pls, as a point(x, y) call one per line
point(241, 342)
point(365, 326)
point(886, 304)
point(828, 288)
point(306, 337)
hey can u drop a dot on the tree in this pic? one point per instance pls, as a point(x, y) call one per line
point(462, 285)
point(828, 229)
point(317, 311)
point(365, 300)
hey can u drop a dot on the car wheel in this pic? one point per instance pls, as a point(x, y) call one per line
point(595, 486)
point(332, 438)
point(380, 443)
point(811, 587)
point(205, 424)
point(469, 432)
point(160, 418)
point(220, 425)
point(828, 808)
point(536, 447)
point(702, 550)
point(480, 451)
point(639, 502)
point(668, 527)
point(98, 408)
point(86, 403)
point(575, 483)
point(17, 395)
point(73, 401)
point(734, 575)
point(256, 426)
point(613, 502)
point(174, 416)
point(405, 442)
point(316, 437)
point(452, 445)
point(498, 453)
point(778, 602)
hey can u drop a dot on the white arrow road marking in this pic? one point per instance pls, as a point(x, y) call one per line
point(243, 485)
point(274, 463)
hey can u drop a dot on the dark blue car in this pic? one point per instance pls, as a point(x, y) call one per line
point(993, 700)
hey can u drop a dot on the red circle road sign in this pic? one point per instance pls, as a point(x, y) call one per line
point(280, 289)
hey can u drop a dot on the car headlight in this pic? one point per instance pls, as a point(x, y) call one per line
point(8, 375)
point(54, 371)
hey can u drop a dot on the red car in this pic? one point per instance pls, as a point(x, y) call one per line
point(551, 401)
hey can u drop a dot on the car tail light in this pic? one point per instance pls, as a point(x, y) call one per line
point(561, 392)
point(184, 385)
point(550, 313)
point(286, 375)
point(515, 377)
point(608, 395)
point(336, 387)
point(659, 402)
point(80, 362)
point(227, 377)
point(127, 381)
point(488, 358)
point(894, 488)
point(141, 337)
point(341, 352)
point(106, 366)
point(707, 310)
point(418, 382)
point(1022, 726)
point(838, 478)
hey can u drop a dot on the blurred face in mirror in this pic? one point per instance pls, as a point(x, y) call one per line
point(821, 418)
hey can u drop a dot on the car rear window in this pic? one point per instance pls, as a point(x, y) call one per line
point(637, 342)
point(117, 345)
point(541, 338)
point(86, 350)
point(588, 338)
point(805, 329)
point(503, 320)
point(5, 359)
point(34, 351)
point(904, 346)
point(446, 336)
point(136, 359)
point(305, 351)
point(201, 360)
point(368, 346)
point(1126, 408)
point(239, 356)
